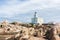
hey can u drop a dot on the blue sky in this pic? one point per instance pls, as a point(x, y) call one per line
point(23, 10)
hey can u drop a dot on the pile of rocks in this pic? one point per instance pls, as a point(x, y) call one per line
point(31, 34)
point(14, 31)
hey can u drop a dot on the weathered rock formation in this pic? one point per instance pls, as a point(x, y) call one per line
point(18, 31)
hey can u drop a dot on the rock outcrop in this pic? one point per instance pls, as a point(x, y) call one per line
point(15, 31)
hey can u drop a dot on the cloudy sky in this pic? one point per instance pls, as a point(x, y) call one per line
point(23, 10)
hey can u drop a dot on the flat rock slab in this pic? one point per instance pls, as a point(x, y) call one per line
point(5, 37)
point(36, 38)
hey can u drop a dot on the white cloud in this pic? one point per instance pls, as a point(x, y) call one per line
point(13, 7)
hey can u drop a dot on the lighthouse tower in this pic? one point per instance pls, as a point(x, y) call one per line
point(34, 19)
point(37, 20)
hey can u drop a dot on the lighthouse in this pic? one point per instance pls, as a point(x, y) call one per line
point(36, 20)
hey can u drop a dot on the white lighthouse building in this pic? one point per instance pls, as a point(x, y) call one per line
point(36, 20)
